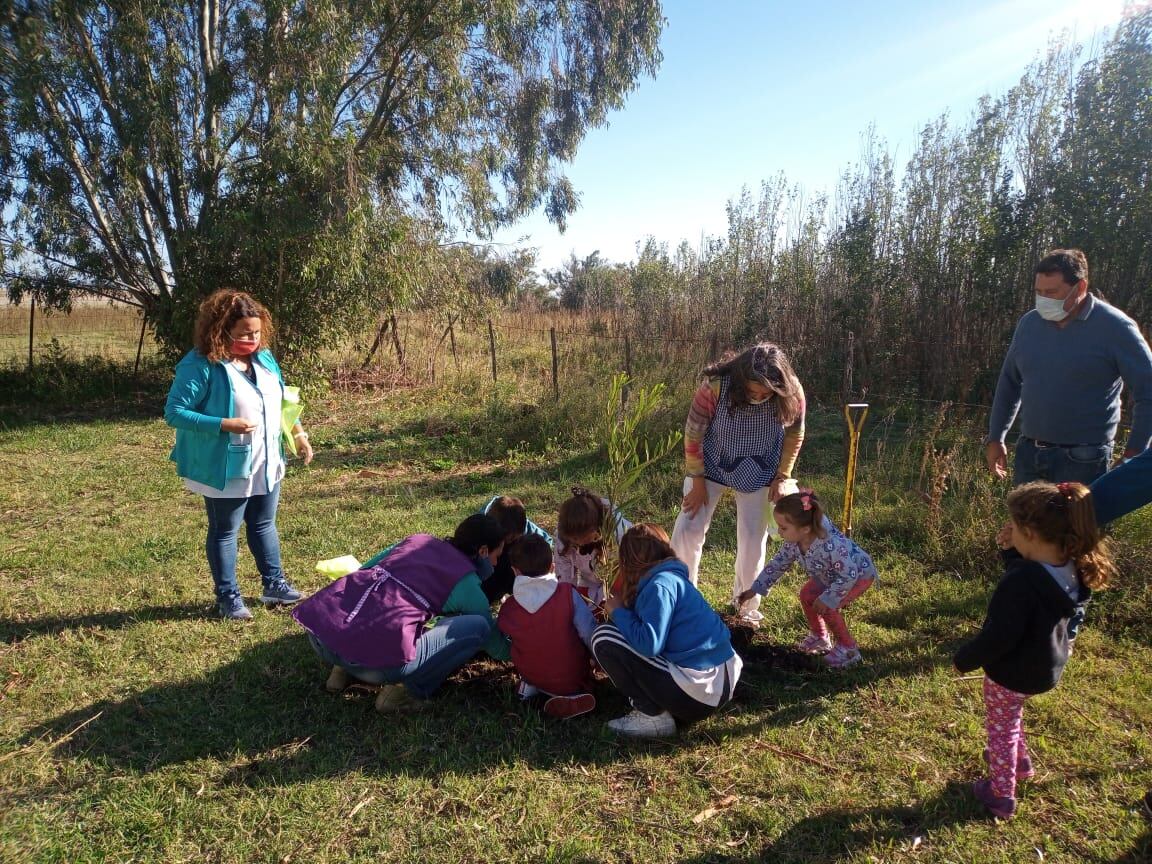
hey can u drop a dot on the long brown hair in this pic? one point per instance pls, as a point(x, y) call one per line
point(1063, 514)
point(641, 547)
point(578, 515)
point(766, 364)
point(219, 313)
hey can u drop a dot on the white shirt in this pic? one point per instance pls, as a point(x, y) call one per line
point(261, 404)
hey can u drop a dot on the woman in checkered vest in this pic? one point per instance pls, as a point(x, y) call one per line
point(743, 433)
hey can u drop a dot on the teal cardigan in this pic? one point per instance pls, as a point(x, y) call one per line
point(199, 400)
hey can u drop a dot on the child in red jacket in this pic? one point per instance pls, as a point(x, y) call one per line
point(550, 627)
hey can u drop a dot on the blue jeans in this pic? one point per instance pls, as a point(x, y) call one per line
point(440, 651)
point(1125, 488)
point(224, 518)
point(1079, 464)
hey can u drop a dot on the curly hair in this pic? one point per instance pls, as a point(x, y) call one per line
point(641, 547)
point(1063, 514)
point(219, 313)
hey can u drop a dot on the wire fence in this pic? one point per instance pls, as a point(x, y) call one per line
point(29, 333)
point(533, 353)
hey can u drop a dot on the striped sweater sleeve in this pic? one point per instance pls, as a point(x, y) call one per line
point(699, 418)
point(793, 438)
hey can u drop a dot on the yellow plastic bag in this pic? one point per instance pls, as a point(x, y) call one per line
point(290, 411)
point(334, 568)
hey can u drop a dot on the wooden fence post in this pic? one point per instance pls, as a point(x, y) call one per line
point(140, 344)
point(555, 365)
point(492, 346)
point(31, 330)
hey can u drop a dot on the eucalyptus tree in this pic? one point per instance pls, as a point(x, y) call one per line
point(153, 149)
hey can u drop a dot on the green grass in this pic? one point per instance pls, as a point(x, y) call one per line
point(136, 727)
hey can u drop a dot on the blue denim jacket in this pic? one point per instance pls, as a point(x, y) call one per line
point(199, 399)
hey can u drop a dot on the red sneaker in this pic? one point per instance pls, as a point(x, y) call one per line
point(570, 706)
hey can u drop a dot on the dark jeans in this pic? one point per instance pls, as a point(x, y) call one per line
point(1125, 488)
point(1077, 464)
point(440, 651)
point(224, 518)
point(646, 681)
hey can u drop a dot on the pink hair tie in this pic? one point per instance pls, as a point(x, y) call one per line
point(806, 498)
point(1065, 489)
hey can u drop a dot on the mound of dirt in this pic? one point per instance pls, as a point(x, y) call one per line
point(753, 646)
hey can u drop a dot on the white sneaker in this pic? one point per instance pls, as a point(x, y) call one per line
point(841, 657)
point(637, 724)
point(813, 644)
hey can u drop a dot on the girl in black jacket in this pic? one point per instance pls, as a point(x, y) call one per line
point(1054, 557)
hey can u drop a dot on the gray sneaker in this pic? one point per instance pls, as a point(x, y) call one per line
point(280, 593)
point(637, 724)
point(232, 608)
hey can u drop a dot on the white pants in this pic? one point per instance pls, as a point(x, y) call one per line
point(753, 523)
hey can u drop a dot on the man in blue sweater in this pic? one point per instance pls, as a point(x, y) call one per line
point(1069, 359)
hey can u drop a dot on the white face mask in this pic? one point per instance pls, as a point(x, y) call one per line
point(1051, 309)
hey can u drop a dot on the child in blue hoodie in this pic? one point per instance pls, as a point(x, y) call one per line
point(664, 647)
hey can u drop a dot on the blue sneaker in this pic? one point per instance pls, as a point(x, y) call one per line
point(232, 608)
point(280, 593)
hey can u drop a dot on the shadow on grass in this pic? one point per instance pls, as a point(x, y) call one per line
point(14, 631)
point(265, 720)
point(1141, 853)
point(837, 834)
point(64, 390)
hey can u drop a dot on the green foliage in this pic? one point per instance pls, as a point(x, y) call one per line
point(298, 151)
point(630, 452)
point(135, 726)
point(925, 262)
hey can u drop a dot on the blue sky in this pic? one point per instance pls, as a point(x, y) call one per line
point(750, 89)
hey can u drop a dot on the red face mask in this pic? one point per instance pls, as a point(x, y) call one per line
point(242, 347)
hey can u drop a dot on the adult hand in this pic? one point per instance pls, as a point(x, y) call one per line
point(304, 449)
point(611, 603)
point(238, 425)
point(996, 454)
point(696, 498)
point(774, 491)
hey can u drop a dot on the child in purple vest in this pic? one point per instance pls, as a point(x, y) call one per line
point(410, 617)
point(550, 626)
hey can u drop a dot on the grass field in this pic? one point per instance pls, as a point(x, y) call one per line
point(136, 727)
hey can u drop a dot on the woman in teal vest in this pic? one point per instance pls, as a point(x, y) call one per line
point(225, 405)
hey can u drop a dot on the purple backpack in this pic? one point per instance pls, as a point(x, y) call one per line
point(374, 617)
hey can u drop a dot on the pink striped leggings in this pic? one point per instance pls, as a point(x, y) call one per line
point(1004, 711)
point(821, 622)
